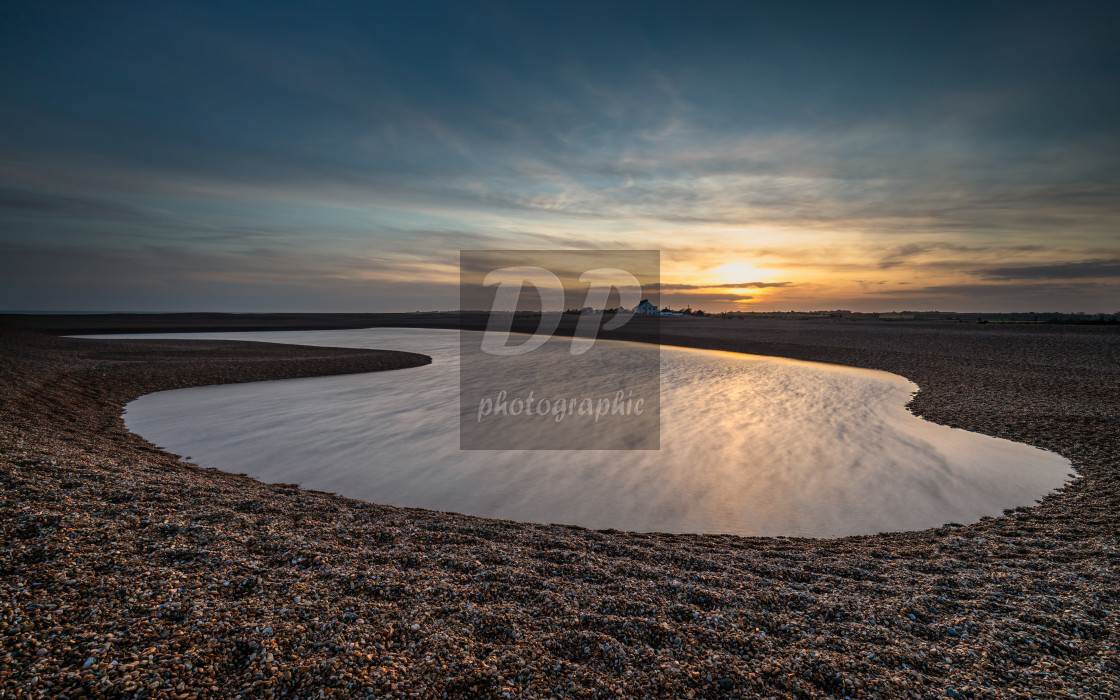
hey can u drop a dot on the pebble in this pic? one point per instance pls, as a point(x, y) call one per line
point(114, 554)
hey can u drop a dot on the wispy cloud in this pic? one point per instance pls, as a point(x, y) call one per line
point(369, 144)
point(1086, 269)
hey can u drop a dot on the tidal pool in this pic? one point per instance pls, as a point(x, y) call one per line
point(750, 445)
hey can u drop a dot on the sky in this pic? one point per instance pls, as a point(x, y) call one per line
point(329, 156)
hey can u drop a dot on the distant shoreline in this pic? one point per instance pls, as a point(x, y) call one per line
point(63, 323)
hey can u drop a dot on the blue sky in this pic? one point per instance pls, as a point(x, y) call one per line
point(337, 156)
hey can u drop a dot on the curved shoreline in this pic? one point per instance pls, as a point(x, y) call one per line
point(96, 524)
point(414, 469)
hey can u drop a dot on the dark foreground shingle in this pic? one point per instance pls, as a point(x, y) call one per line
point(127, 572)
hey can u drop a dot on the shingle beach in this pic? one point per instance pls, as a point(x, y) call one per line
point(128, 572)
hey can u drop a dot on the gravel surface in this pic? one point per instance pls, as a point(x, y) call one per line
point(128, 572)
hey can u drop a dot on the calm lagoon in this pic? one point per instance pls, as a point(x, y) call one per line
point(750, 445)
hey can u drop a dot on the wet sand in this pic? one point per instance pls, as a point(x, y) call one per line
point(129, 572)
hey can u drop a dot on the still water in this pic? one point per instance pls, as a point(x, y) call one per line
point(750, 445)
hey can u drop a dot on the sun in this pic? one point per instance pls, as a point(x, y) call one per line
point(736, 273)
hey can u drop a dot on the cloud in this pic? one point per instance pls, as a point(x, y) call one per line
point(1008, 291)
point(906, 254)
point(1086, 269)
point(702, 301)
point(971, 298)
point(153, 279)
point(227, 142)
point(46, 203)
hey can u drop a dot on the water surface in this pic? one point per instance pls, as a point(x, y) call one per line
point(750, 445)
